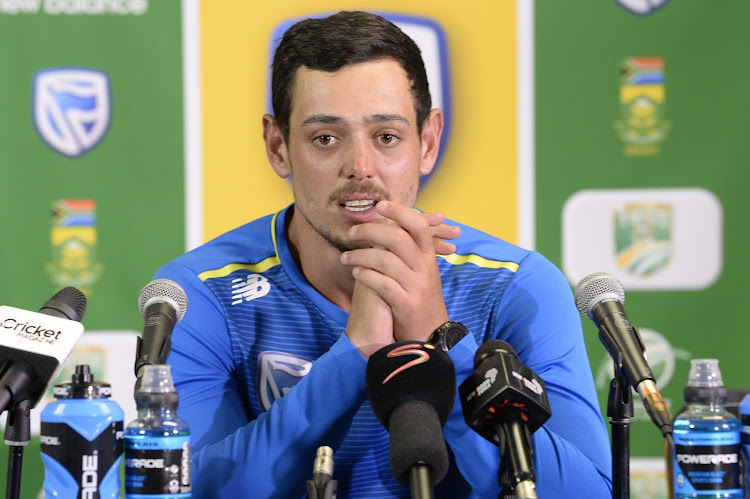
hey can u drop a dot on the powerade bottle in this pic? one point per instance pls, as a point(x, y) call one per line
point(745, 436)
point(706, 438)
point(157, 444)
point(82, 439)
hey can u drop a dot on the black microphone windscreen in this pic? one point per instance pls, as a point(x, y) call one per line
point(415, 437)
point(410, 370)
point(68, 303)
point(490, 347)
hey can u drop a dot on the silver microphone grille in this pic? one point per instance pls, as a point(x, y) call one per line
point(596, 287)
point(163, 290)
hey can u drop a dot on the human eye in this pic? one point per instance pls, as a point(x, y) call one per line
point(387, 139)
point(324, 140)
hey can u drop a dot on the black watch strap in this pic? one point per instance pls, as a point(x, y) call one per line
point(447, 335)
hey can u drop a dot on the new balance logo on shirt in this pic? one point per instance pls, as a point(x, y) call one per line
point(252, 287)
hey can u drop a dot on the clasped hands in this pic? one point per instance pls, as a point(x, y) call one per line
point(398, 293)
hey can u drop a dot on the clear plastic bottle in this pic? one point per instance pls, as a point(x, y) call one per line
point(157, 444)
point(706, 438)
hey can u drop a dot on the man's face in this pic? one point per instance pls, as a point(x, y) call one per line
point(353, 141)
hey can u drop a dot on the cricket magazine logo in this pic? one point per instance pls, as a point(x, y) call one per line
point(71, 108)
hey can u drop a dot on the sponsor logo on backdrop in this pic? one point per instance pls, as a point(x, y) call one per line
point(642, 7)
point(71, 108)
point(430, 38)
point(278, 372)
point(650, 239)
point(74, 7)
point(662, 358)
point(642, 126)
point(643, 237)
point(73, 239)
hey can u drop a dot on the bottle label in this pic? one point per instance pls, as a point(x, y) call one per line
point(86, 461)
point(707, 461)
point(158, 467)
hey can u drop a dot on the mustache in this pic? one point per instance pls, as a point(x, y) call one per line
point(369, 188)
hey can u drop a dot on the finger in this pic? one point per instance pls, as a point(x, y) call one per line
point(434, 218)
point(446, 231)
point(411, 221)
point(386, 288)
point(443, 247)
point(383, 262)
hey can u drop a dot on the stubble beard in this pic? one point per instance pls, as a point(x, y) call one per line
point(342, 244)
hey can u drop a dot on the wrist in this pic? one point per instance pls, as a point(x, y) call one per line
point(447, 335)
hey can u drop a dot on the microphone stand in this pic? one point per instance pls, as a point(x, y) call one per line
point(17, 436)
point(419, 482)
point(516, 474)
point(620, 410)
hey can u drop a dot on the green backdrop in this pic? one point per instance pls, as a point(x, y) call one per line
point(580, 50)
point(121, 214)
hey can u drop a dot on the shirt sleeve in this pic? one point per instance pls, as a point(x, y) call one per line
point(536, 314)
point(273, 454)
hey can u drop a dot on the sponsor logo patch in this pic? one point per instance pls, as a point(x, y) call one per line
point(279, 372)
point(71, 108)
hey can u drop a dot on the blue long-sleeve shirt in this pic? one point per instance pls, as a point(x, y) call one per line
point(266, 374)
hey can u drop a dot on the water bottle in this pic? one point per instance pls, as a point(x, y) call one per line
point(81, 439)
point(157, 444)
point(706, 438)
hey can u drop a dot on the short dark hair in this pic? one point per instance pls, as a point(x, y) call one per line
point(347, 37)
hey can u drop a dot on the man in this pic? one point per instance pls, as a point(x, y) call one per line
point(311, 292)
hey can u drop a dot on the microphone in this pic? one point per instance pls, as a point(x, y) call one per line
point(35, 345)
point(162, 303)
point(600, 297)
point(505, 402)
point(322, 486)
point(411, 386)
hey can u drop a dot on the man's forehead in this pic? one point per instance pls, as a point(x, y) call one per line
point(374, 119)
point(363, 93)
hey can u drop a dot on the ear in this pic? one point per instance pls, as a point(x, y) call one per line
point(431, 132)
point(276, 150)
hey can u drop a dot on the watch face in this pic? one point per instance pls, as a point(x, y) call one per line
point(452, 335)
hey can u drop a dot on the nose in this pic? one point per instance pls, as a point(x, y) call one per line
point(359, 162)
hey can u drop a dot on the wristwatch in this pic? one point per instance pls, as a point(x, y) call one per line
point(447, 335)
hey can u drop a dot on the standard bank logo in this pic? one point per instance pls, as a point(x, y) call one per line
point(642, 7)
point(278, 373)
point(71, 108)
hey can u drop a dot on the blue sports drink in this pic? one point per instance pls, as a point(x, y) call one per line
point(157, 444)
point(82, 439)
point(707, 438)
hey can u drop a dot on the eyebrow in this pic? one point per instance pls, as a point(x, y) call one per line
point(370, 120)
